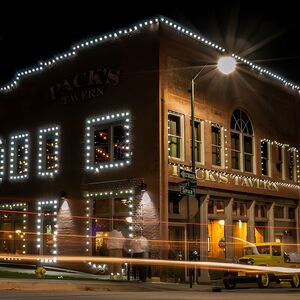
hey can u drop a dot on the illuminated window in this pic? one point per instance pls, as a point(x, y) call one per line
point(241, 142)
point(175, 135)
point(217, 145)
point(19, 156)
point(198, 129)
point(48, 155)
point(107, 141)
point(265, 160)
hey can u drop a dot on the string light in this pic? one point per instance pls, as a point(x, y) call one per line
point(19, 157)
point(2, 162)
point(129, 31)
point(48, 164)
point(284, 184)
point(128, 193)
point(52, 206)
point(91, 126)
point(21, 232)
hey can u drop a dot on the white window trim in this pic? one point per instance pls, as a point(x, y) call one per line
point(13, 175)
point(43, 132)
point(222, 146)
point(182, 152)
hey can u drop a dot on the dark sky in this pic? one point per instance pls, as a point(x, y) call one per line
point(265, 32)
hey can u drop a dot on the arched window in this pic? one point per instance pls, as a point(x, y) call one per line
point(241, 142)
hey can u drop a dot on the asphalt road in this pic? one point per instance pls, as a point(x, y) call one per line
point(244, 293)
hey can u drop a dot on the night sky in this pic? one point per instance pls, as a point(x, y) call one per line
point(264, 32)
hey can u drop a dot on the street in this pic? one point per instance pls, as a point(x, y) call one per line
point(244, 293)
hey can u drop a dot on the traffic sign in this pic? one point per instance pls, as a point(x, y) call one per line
point(187, 191)
point(187, 174)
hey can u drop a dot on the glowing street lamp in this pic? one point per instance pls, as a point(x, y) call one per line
point(226, 64)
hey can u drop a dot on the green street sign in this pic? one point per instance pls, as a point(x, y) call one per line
point(187, 191)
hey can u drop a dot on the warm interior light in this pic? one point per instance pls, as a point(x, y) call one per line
point(226, 64)
point(222, 222)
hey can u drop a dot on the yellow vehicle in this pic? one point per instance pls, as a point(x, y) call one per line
point(264, 254)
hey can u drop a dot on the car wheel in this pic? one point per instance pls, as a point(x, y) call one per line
point(229, 283)
point(295, 282)
point(264, 281)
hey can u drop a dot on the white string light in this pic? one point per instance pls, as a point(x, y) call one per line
point(18, 207)
point(91, 126)
point(50, 133)
point(2, 162)
point(128, 193)
point(128, 31)
point(52, 206)
point(18, 162)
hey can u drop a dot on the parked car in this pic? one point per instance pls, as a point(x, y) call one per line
point(264, 254)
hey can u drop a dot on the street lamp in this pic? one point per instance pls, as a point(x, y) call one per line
point(226, 65)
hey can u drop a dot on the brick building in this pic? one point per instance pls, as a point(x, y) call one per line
point(95, 139)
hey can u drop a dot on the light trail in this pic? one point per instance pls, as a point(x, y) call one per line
point(162, 262)
point(148, 222)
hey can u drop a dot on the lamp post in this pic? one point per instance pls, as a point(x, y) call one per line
point(226, 65)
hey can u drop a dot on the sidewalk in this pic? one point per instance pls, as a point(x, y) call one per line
point(97, 283)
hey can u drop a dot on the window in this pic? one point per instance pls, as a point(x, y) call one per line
point(265, 161)
point(241, 142)
point(276, 250)
point(19, 156)
point(175, 136)
point(291, 213)
point(47, 227)
point(217, 145)
point(107, 142)
point(48, 151)
point(211, 206)
point(220, 205)
point(279, 212)
point(260, 211)
point(216, 207)
point(13, 220)
point(198, 141)
point(279, 161)
point(291, 159)
point(239, 209)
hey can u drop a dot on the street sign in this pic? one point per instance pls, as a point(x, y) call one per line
point(187, 174)
point(187, 191)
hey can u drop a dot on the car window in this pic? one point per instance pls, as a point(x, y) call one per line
point(263, 249)
point(276, 251)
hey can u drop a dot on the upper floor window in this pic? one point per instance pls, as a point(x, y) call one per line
point(279, 161)
point(242, 157)
point(217, 144)
point(198, 131)
point(175, 135)
point(279, 212)
point(48, 151)
point(107, 141)
point(19, 156)
point(265, 157)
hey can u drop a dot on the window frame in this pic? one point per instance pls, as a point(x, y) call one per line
point(42, 160)
point(220, 147)
point(199, 144)
point(13, 173)
point(180, 137)
point(106, 120)
point(243, 128)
